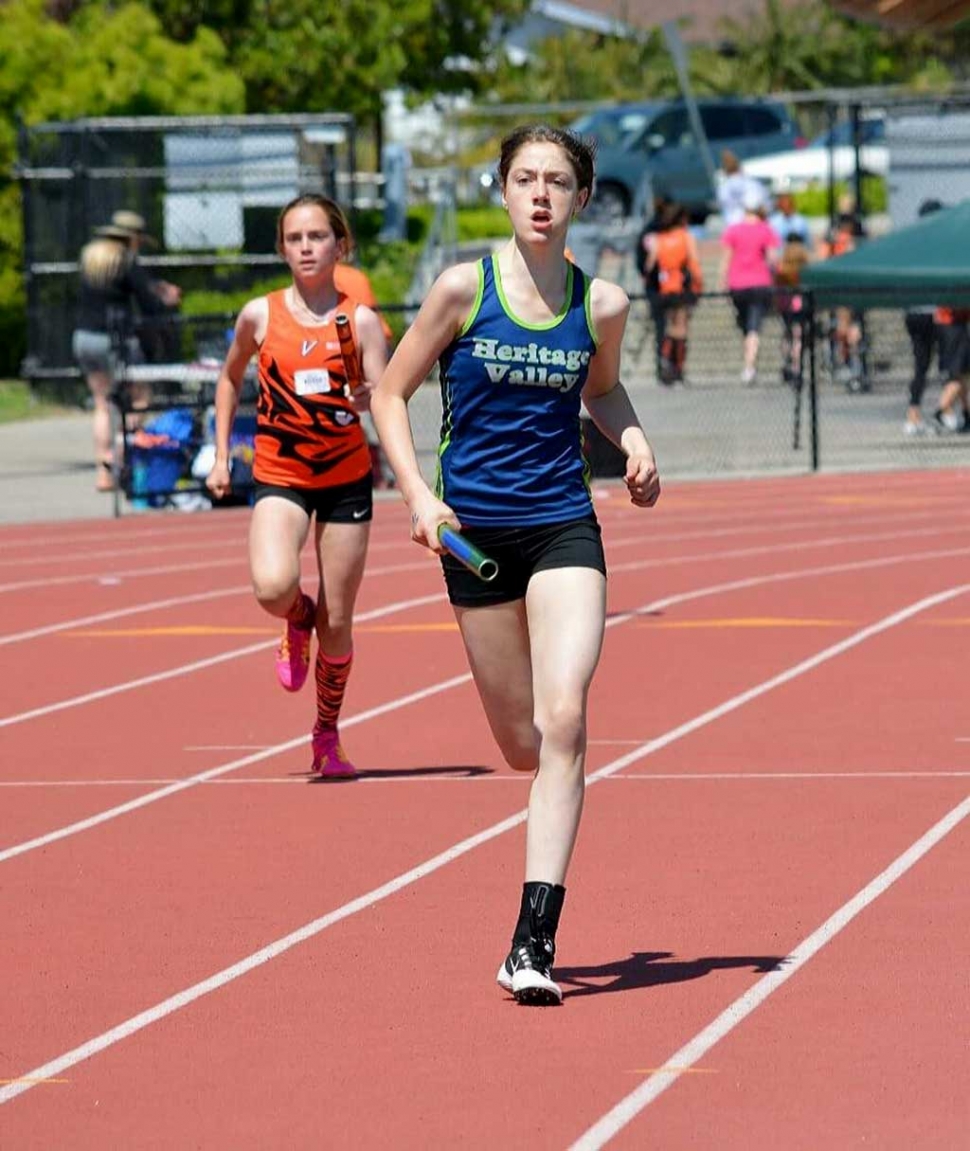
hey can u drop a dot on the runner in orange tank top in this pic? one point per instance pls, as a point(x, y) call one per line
point(672, 251)
point(311, 460)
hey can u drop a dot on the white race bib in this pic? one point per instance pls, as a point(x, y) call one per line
point(311, 381)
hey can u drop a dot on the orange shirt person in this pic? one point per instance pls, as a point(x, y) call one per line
point(355, 283)
point(311, 461)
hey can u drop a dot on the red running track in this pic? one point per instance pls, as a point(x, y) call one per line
point(767, 916)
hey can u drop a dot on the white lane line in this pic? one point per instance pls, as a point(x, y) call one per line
point(691, 557)
point(122, 612)
point(614, 621)
point(197, 665)
point(134, 684)
point(222, 769)
point(772, 549)
point(58, 561)
point(733, 585)
point(750, 499)
point(228, 747)
point(175, 529)
point(405, 879)
point(489, 775)
point(748, 582)
point(219, 593)
point(139, 573)
point(783, 677)
point(133, 573)
point(692, 1052)
point(177, 543)
point(792, 775)
point(766, 525)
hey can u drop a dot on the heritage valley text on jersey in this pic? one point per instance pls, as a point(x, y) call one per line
point(530, 365)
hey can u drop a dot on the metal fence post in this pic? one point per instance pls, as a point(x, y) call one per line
point(832, 112)
point(812, 379)
point(26, 190)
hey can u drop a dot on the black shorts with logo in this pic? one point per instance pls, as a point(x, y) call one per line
point(954, 350)
point(520, 552)
point(351, 503)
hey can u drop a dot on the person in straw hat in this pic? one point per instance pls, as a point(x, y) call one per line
point(112, 289)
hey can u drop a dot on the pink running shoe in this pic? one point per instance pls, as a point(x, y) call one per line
point(329, 760)
point(293, 657)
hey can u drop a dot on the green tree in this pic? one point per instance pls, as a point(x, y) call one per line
point(298, 56)
point(587, 66)
point(99, 60)
point(786, 48)
point(304, 55)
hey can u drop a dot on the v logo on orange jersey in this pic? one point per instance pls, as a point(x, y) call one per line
point(308, 346)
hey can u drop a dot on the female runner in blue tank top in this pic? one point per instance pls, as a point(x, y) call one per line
point(522, 337)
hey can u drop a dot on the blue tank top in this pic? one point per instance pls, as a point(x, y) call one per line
point(511, 439)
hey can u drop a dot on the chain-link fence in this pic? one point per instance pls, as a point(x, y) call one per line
point(209, 189)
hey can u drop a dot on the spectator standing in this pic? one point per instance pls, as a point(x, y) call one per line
point(786, 220)
point(736, 189)
point(791, 304)
point(953, 413)
point(848, 322)
point(651, 285)
point(113, 292)
point(672, 252)
point(749, 249)
point(921, 328)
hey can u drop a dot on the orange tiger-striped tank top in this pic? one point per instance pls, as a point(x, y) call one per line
point(308, 433)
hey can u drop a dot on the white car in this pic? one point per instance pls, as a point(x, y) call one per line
point(802, 167)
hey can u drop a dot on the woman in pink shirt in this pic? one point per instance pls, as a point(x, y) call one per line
point(750, 247)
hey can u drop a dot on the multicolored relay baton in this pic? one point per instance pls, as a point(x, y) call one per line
point(465, 552)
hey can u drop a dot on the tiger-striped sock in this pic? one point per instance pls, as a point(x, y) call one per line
point(331, 673)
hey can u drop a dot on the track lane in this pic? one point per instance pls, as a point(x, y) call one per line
point(747, 952)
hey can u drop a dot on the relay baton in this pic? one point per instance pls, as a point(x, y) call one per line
point(348, 353)
point(465, 552)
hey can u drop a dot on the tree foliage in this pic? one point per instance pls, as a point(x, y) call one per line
point(785, 48)
point(308, 56)
point(64, 59)
point(586, 66)
point(91, 60)
point(779, 48)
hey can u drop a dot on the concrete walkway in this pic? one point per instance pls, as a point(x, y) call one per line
point(47, 471)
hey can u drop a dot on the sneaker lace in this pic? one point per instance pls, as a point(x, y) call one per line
point(544, 948)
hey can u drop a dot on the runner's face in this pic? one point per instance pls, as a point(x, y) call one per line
point(541, 191)
point(310, 246)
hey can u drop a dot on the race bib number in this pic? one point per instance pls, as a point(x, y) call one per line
point(311, 381)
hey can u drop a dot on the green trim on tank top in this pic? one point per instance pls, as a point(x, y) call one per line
point(549, 324)
point(479, 296)
point(588, 306)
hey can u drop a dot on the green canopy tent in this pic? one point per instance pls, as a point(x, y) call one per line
point(925, 263)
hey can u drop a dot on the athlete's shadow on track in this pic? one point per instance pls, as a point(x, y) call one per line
point(459, 770)
point(650, 969)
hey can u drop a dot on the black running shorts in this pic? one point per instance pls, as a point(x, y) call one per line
point(751, 305)
point(520, 552)
point(343, 504)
